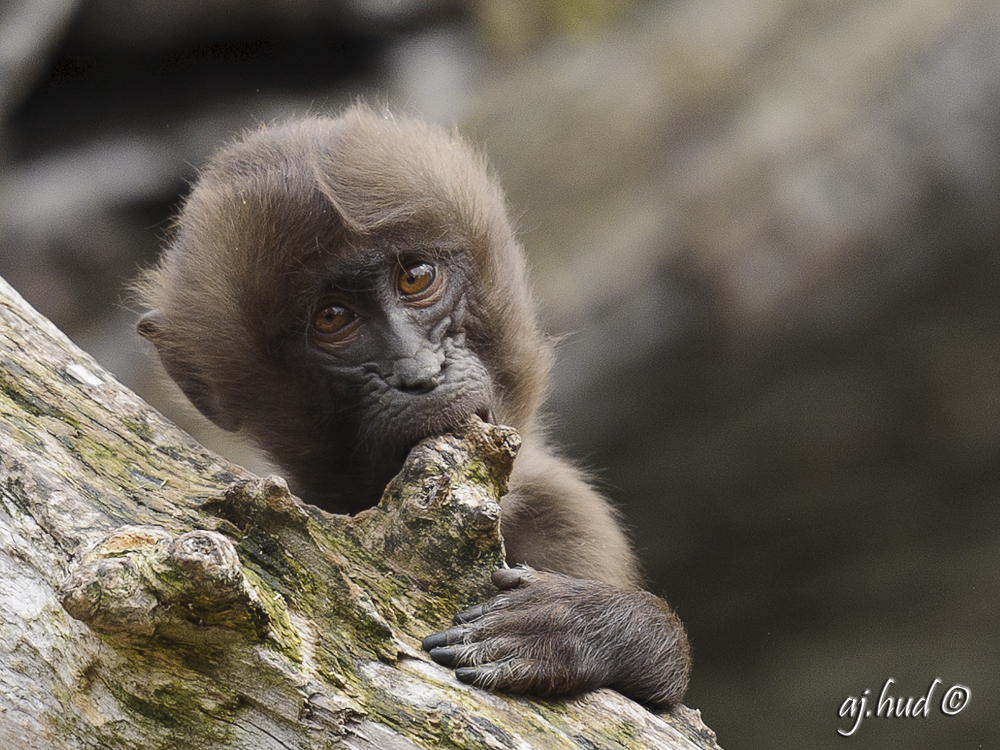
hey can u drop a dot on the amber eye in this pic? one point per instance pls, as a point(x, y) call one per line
point(416, 279)
point(332, 320)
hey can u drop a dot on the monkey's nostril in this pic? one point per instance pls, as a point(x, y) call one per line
point(418, 387)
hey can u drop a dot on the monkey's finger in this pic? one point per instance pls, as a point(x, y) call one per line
point(491, 651)
point(434, 640)
point(515, 675)
point(446, 657)
point(478, 611)
point(448, 637)
point(472, 613)
point(512, 578)
point(472, 675)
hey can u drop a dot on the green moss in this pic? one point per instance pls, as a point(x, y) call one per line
point(177, 710)
point(15, 394)
point(281, 633)
point(104, 460)
point(479, 473)
point(142, 430)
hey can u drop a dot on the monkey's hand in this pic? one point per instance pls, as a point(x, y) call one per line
point(549, 634)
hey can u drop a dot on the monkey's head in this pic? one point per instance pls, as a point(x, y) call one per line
point(340, 289)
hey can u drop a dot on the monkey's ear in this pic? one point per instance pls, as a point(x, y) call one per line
point(154, 327)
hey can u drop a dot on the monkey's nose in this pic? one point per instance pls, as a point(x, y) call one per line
point(418, 373)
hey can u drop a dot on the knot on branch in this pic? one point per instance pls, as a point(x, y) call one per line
point(145, 581)
point(261, 502)
point(439, 519)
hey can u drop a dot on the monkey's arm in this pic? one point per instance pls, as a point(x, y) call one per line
point(581, 626)
point(554, 520)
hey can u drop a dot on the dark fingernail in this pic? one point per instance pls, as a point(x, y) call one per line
point(467, 674)
point(507, 578)
point(470, 614)
point(444, 656)
point(433, 641)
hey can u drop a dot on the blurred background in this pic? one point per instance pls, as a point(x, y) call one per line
point(768, 230)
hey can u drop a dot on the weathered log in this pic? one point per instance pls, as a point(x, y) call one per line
point(153, 595)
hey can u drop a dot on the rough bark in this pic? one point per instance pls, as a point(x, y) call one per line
point(152, 595)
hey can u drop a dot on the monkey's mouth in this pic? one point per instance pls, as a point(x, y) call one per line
point(426, 417)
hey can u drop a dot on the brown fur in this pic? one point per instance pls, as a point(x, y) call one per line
point(329, 209)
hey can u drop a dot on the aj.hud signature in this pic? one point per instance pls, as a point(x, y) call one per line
point(955, 699)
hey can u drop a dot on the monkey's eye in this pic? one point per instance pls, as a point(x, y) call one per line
point(332, 321)
point(420, 283)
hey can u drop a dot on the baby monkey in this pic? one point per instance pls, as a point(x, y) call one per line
point(341, 288)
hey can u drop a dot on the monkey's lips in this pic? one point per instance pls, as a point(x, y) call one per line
point(394, 432)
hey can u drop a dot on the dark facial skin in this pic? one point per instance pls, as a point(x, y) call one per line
point(386, 337)
point(339, 289)
point(395, 334)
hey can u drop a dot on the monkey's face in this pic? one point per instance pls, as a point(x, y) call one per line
point(385, 350)
point(342, 288)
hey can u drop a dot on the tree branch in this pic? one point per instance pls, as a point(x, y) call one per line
point(153, 595)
